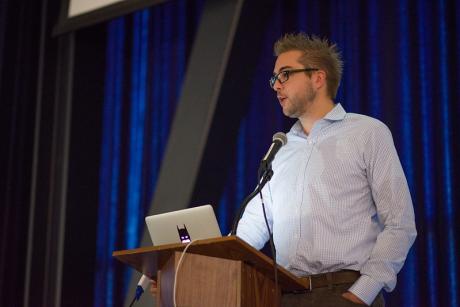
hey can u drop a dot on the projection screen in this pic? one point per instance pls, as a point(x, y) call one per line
point(77, 14)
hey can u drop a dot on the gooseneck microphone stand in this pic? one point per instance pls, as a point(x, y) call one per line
point(267, 174)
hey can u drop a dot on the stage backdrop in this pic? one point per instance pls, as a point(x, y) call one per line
point(401, 66)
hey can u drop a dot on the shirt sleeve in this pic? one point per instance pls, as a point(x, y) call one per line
point(395, 212)
point(252, 227)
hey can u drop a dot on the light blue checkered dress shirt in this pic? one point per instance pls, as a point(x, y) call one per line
point(338, 199)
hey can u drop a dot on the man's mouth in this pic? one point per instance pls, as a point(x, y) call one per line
point(282, 99)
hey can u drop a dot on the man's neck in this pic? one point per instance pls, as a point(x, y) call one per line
point(318, 110)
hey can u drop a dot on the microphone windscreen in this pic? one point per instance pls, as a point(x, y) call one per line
point(280, 136)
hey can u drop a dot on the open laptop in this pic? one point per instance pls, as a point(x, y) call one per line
point(183, 225)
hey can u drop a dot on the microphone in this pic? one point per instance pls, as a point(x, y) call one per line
point(279, 140)
point(143, 283)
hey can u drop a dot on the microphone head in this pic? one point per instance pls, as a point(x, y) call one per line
point(280, 136)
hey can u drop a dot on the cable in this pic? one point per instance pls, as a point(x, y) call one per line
point(272, 245)
point(177, 270)
point(263, 177)
point(132, 302)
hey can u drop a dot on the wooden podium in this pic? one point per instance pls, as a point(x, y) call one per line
point(223, 271)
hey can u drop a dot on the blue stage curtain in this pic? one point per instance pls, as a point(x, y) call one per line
point(401, 65)
point(146, 61)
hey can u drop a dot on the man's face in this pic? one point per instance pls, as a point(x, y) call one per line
point(297, 93)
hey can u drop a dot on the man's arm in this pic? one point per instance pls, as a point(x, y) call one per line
point(395, 212)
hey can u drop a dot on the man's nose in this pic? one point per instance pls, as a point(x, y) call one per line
point(277, 86)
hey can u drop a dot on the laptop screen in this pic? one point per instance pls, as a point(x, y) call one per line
point(183, 225)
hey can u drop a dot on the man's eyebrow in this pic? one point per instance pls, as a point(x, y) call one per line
point(281, 69)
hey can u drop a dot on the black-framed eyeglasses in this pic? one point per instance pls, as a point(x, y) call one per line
point(283, 75)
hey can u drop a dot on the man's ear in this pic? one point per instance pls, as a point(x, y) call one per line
point(319, 79)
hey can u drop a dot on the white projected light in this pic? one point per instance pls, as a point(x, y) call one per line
point(77, 7)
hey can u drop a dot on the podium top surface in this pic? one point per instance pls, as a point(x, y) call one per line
point(147, 260)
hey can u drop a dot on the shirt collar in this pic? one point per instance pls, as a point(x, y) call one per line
point(297, 129)
point(336, 114)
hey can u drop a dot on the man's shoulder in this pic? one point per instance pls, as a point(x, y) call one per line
point(368, 129)
point(365, 121)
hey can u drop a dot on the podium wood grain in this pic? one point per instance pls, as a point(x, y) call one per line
point(148, 260)
point(222, 271)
